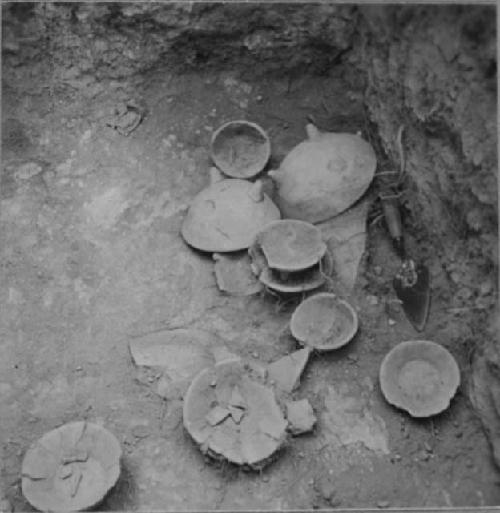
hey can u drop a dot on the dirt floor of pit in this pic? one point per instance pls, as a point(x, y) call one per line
point(91, 256)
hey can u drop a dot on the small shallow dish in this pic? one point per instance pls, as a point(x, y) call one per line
point(240, 149)
point(71, 468)
point(419, 376)
point(324, 322)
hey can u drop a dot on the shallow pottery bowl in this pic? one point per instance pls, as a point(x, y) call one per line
point(291, 245)
point(324, 322)
point(232, 414)
point(420, 377)
point(240, 149)
point(71, 468)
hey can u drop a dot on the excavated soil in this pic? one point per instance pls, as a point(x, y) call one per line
point(92, 259)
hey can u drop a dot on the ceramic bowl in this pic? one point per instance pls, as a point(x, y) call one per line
point(324, 322)
point(419, 376)
point(240, 149)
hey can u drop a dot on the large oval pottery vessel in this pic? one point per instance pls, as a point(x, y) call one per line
point(324, 175)
point(420, 377)
point(227, 215)
point(71, 468)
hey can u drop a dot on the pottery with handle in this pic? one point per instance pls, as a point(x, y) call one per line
point(323, 175)
point(227, 215)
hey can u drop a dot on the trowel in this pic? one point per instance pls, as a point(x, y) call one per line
point(411, 283)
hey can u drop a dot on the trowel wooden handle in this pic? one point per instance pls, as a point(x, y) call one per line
point(393, 219)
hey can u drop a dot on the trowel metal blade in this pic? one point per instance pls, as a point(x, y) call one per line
point(415, 299)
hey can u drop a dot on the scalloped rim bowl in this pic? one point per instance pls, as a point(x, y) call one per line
point(252, 166)
point(419, 376)
point(313, 322)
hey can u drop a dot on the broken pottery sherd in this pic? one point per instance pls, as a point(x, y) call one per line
point(233, 273)
point(222, 354)
point(184, 352)
point(240, 149)
point(216, 415)
point(291, 245)
point(254, 429)
point(285, 373)
point(345, 237)
point(71, 468)
point(236, 413)
point(419, 376)
point(236, 399)
point(227, 215)
point(178, 355)
point(300, 416)
point(324, 322)
point(324, 175)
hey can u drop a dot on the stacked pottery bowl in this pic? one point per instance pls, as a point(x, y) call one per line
point(290, 256)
